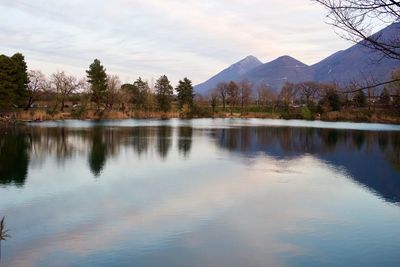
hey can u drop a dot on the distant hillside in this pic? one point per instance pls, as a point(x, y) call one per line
point(357, 63)
point(279, 71)
point(232, 73)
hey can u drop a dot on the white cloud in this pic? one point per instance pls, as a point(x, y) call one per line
point(151, 38)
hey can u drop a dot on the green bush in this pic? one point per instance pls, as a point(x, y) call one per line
point(306, 113)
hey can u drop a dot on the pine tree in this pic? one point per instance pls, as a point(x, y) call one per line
point(185, 93)
point(13, 81)
point(8, 85)
point(164, 93)
point(21, 79)
point(97, 78)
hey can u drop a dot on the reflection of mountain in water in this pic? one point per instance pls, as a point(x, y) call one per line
point(371, 158)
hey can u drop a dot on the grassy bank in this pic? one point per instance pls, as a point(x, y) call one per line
point(345, 115)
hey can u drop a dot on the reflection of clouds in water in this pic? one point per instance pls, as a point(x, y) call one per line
point(358, 153)
point(176, 213)
point(250, 185)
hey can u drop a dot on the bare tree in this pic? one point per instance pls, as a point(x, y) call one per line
point(232, 95)
point(265, 95)
point(309, 91)
point(394, 89)
point(113, 94)
point(288, 94)
point(64, 85)
point(245, 93)
point(37, 86)
point(357, 19)
point(222, 90)
point(213, 97)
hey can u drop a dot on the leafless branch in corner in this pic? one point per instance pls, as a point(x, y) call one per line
point(356, 19)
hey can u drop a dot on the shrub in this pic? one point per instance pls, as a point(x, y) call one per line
point(306, 113)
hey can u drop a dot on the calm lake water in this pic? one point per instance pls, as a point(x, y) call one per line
point(231, 193)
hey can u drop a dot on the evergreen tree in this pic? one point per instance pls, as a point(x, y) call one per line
point(21, 79)
point(141, 90)
point(185, 93)
point(334, 100)
point(331, 100)
point(164, 93)
point(13, 81)
point(8, 85)
point(97, 78)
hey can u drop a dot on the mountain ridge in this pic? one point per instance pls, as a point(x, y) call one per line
point(230, 73)
point(356, 63)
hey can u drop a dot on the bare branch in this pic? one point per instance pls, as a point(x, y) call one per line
point(357, 19)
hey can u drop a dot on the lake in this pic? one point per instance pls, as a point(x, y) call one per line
point(223, 192)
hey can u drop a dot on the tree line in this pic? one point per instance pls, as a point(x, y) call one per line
point(21, 88)
point(99, 92)
point(308, 97)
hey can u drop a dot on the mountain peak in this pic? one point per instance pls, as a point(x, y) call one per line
point(285, 57)
point(247, 63)
point(352, 64)
point(288, 60)
point(230, 74)
point(250, 58)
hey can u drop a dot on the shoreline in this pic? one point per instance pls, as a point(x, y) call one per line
point(28, 117)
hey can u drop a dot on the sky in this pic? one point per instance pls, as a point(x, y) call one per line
point(149, 38)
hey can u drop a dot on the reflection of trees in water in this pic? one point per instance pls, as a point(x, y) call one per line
point(98, 151)
point(358, 139)
point(140, 139)
point(23, 146)
point(372, 158)
point(393, 153)
point(383, 141)
point(185, 135)
point(164, 140)
point(288, 141)
point(55, 142)
point(14, 156)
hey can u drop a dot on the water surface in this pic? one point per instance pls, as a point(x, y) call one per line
point(200, 193)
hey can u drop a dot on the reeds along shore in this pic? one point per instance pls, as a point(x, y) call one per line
point(345, 115)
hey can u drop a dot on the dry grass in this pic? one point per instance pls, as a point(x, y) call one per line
point(38, 115)
point(154, 115)
point(120, 115)
point(257, 115)
point(361, 116)
point(345, 115)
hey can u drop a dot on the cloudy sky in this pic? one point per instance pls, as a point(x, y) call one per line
point(149, 38)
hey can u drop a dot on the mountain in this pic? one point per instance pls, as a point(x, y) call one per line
point(356, 63)
point(279, 71)
point(274, 73)
point(232, 73)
